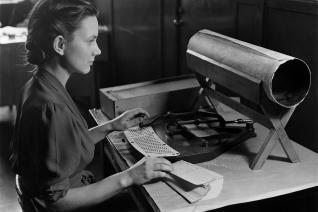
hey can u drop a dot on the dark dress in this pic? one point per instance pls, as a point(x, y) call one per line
point(50, 146)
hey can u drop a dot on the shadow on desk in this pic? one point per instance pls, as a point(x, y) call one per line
point(301, 201)
point(249, 155)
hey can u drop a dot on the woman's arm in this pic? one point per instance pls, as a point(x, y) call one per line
point(143, 171)
point(93, 194)
point(99, 132)
point(124, 121)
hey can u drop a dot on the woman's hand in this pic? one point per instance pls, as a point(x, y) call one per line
point(147, 169)
point(129, 119)
point(126, 120)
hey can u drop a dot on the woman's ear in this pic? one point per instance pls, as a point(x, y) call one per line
point(59, 44)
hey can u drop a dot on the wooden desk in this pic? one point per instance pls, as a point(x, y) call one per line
point(241, 184)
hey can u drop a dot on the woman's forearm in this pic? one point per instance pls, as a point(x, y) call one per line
point(93, 194)
point(143, 171)
point(99, 132)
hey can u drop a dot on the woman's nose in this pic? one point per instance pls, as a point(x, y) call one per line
point(97, 50)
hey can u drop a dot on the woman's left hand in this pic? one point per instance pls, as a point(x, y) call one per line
point(129, 119)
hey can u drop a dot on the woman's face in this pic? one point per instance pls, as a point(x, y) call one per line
point(81, 49)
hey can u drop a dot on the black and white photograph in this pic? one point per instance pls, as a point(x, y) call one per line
point(158, 105)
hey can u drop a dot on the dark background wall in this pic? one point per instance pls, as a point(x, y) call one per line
point(147, 40)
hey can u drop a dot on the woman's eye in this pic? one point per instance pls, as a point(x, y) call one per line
point(92, 40)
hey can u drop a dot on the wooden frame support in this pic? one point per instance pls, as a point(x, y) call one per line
point(273, 117)
point(276, 133)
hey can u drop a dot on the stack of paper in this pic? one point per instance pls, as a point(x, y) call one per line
point(193, 182)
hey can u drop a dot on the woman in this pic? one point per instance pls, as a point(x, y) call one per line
point(51, 142)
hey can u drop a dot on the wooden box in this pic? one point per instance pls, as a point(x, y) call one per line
point(176, 94)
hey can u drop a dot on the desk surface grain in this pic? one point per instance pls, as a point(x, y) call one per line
point(241, 184)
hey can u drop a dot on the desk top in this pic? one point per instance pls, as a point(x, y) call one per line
point(241, 184)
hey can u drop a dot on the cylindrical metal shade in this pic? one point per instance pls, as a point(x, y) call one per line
point(285, 79)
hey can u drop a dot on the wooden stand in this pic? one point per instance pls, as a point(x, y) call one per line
point(268, 114)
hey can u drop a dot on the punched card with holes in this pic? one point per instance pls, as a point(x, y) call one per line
point(147, 142)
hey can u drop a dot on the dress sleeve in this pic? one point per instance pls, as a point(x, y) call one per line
point(61, 150)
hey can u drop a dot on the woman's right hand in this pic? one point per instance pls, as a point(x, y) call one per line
point(149, 168)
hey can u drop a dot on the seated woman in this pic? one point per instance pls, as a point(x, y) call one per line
point(52, 145)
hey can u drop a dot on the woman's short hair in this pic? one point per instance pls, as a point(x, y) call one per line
point(50, 18)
